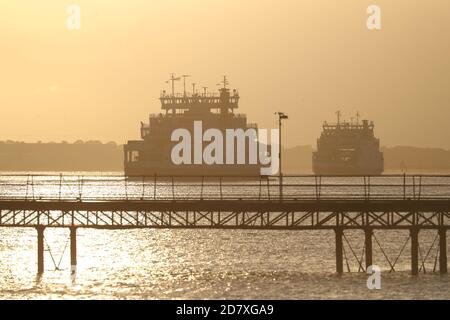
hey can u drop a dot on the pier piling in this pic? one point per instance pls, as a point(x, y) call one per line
point(40, 249)
point(368, 246)
point(339, 250)
point(73, 246)
point(414, 232)
point(443, 251)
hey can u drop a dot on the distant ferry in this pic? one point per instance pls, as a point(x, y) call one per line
point(152, 154)
point(348, 148)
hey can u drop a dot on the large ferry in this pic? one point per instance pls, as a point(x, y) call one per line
point(152, 154)
point(348, 148)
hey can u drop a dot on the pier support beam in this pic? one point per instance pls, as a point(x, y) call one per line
point(73, 246)
point(368, 246)
point(443, 251)
point(414, 232)
point(339, 250)
point(40, 249)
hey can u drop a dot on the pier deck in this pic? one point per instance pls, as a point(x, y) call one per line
point(411, 203)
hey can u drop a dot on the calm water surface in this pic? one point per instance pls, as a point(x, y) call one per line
point(209, 264)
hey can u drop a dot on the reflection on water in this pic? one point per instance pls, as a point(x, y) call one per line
point(201, 264)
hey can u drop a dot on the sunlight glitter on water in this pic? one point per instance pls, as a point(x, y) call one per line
point(175, 264)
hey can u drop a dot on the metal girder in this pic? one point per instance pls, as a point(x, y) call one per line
point(220, 219)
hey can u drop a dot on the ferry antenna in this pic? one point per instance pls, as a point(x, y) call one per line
point(224, 82)
point(173, 79)
point(184, 82)
point(339, 114)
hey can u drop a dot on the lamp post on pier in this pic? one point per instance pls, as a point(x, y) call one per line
point(281, 116)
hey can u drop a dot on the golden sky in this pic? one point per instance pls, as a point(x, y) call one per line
point(307, 58)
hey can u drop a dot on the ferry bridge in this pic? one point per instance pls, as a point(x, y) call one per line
point(390, 202)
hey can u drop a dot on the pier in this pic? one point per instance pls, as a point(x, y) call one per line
point(392, 202)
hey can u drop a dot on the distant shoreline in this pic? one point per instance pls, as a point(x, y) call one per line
point(95, 156)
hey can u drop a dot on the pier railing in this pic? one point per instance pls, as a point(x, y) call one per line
point(71, 187)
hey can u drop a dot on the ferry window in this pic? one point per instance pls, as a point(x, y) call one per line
point(134, 156)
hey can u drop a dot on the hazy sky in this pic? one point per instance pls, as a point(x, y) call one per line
point(308, 58)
